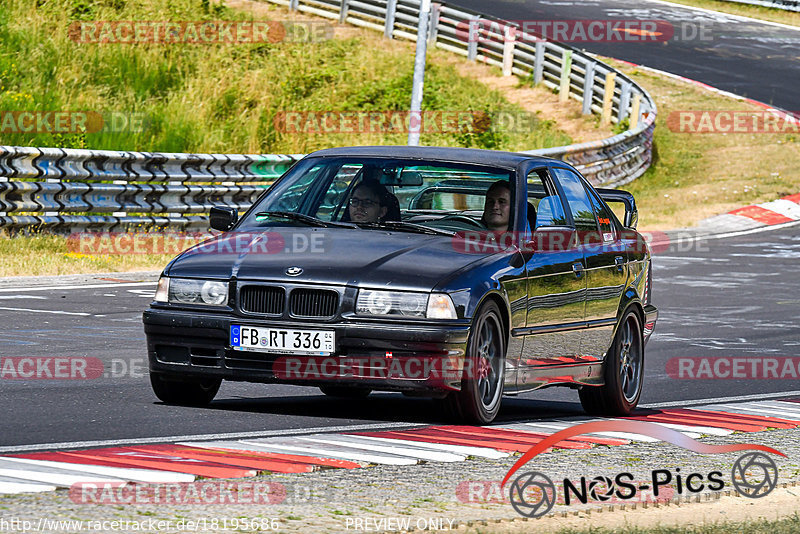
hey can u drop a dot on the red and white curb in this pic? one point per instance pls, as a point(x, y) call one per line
point(184, 461)
point(781, 211)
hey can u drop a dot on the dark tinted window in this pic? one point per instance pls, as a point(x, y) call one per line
point(577, 199)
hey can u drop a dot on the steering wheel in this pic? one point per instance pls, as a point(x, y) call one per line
point(463, 218)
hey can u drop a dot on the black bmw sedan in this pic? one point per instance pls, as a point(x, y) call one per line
point(456, 274)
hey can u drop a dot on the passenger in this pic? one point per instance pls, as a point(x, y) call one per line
point(497, 207)
point(369, 202)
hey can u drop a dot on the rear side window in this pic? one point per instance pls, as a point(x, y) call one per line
point(577, 199)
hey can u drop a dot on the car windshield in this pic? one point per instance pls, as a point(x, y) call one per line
point(413, 195)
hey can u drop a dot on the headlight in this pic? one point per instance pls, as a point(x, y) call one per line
point(437, 306)
point(185, 291)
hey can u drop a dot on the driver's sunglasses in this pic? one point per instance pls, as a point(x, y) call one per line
point(356, 202)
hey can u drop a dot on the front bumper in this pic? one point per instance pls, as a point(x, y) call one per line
point(381, 354)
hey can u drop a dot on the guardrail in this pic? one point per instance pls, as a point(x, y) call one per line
point(70, 190)
point(786, 5)
point(66, 190)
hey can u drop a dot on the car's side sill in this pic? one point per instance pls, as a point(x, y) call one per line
point(564, 327)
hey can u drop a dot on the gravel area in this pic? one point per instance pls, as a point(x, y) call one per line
point(427, 496)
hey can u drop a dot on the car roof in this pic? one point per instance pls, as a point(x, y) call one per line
point(458, 155)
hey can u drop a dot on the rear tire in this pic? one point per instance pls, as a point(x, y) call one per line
point(184, 392)
point(478, 402)
point(623, 372)
point(346, 392)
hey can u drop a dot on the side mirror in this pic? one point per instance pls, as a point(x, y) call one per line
point(223, 218)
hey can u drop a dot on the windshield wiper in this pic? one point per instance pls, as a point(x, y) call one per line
point(419, 228)
point(311, 221)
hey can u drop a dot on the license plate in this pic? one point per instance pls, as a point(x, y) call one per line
point(282, 340)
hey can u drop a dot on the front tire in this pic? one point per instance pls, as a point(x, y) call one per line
point(623, 372)
point(478, 402)
point(184, 392)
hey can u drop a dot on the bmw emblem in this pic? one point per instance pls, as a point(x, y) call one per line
point(294, 271)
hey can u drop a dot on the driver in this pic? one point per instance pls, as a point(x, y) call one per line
point(497, 207)
point(368, 202)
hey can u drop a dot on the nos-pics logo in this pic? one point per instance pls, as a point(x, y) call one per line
point(533, 494)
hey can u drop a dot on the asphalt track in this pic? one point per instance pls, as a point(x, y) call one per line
point(727, 297)
point(753, 59)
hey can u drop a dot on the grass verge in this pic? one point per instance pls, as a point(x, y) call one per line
point(223, 97)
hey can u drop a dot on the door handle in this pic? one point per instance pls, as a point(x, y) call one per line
point(619, 261)
point(577, 268)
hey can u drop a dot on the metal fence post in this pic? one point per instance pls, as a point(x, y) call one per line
point(293, 5)
point(433, 28)
point(508, 49)
point(637, 101)
point(538, 64)
point(624, 100)
point(415, 117)
point(566, 70)
point(388, 29)
point(473, 37)
point(608, 95)
point(588, 88)
point(345, 5)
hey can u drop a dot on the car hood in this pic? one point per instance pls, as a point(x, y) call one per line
point(358, 257)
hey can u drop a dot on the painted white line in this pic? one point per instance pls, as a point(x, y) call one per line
point(466, 450)
point(56, 312)
point(16, 485)
point(86, 286)
point(134, 475)
point(21, 297)
point(56, 477)
point(744, 409)
point(692, 433)
point(333, 451)
point(739, 17)
point(561, 425)
point(783, 405)
point(242, 446)
point(204, 437)
point(696, 402)
point(356, 443)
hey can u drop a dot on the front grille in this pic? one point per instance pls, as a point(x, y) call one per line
point(313, 302)
point(262, 299)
